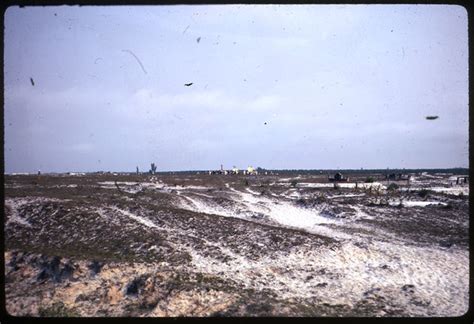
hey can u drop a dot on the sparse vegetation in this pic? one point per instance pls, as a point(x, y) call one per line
point(57, 309)
point(150, 254)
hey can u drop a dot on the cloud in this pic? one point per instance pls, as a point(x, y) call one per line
point(56, 99)
point(202, 101)
point(264, 102)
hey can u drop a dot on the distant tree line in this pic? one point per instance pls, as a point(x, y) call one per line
point(372, 171)
point(460, 171)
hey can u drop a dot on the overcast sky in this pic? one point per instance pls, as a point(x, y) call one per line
point(280, 87)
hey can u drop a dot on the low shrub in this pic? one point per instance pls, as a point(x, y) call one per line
point(423, 193)
point(392, 187)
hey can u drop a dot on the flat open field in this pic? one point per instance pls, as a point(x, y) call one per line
point(221, 245)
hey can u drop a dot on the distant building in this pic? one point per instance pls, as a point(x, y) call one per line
point(251, 170)
point(397, 176)
point(464, 179)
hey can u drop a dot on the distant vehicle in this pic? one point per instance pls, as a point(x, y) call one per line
point(338, 177)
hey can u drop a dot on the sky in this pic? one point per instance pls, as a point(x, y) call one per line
point(273, 86)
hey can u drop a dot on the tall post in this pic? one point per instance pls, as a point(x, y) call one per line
point(153, 168)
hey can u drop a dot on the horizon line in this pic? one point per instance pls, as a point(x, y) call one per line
point(207, 170)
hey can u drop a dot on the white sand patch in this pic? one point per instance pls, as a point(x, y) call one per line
point(294, 194)
point(360, 214)
point(14, 216)
point(290, 215)
point(374, 185)
point(200, 206)
point(67, 186)
point(197, 187)
point(456, 190)
point(314, 185)
point(191, 187)
point(104, 213)
point(112, 183)
point(411, 203)
point(346, 196)
point(361, 185)
point(280, 212)
point(139, 219)
point(274, 194)
point(154, 184)
point(202, 194)
point(285, 179)
point(253, 192)
point(291, 194)
point(452, 191)
point(440, 278)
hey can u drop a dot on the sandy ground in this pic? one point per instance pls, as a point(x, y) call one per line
point(215, 245)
